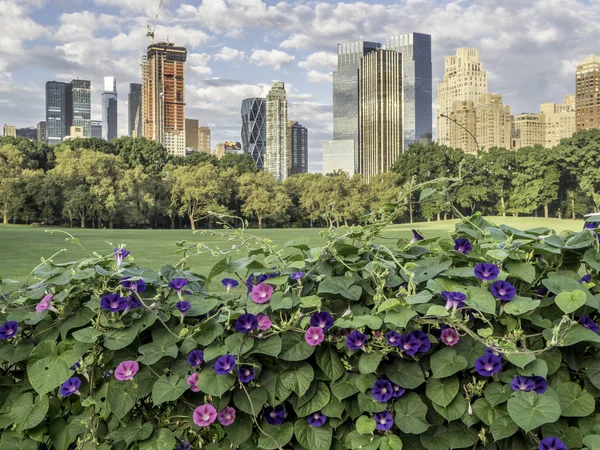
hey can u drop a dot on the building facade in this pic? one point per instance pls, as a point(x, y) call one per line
point(276, 152)
point(109, 109)
point(254, 129)
point(41, 132)
point(416, 85)
point(560, 120)
point(96, 129)
point(340, 155)
point(29, 133)
point(493, 122)
point(9, 131)
point(204, 139)
point(134, 100)
point(463, 126)
point(529, 130)
point(75, 132)
point(587, 88)
point(380, 118)
point(58, 103)
point(297, 140)
point(464, 80)
point(163, 99)
point(191, 135)
point(81, 109)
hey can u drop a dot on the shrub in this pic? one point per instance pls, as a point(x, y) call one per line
point(485, 339)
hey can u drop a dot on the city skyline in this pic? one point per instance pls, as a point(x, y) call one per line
point(528, 61)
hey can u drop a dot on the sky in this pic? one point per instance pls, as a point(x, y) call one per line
point(237, 48)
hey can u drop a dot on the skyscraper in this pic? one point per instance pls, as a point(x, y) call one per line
point(416, 84)
point(381, 137)
point(191, 134)
point(204, 139)
point(277, 150)
point(464, 79)
point(254, 129)
point(297, 148)
point(9, 131)
point(96, 129)
point(58, 105)
point(163, 101)
point(109, 109)
point(29, 133)
point(81, 108)
point(41, 132)
point(559, 120)
point(463, 126)
point(134, 101)
point(587, 83)
point(493, 122)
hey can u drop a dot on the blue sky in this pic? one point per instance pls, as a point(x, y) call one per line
point(236, 48)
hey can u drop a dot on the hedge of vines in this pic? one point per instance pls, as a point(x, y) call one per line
point(487, 338)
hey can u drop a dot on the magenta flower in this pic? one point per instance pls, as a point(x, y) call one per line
point(463, 246)
point(264, 323)
point(261, 293)
point(8, 330)
point(205, 415)
point(503, 290)
point(321, 319)
point(226, 416)
point(45, 304)
point(120, 254)
point(126, 370)
point(314, 336)
point(449, 337)
point(70, 387)
point(193, 382)
point(135, 286)
point(229, 283)
point(224, 364)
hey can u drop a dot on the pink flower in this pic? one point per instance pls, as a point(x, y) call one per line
point(314, 336)
point(193, 382)
point(264, 323)
point(226, 416)
point(450, 337)
point(261, 293)
point(45, 304)
point(126, 370)
point(205, 415)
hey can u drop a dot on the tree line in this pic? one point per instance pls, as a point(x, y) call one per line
point(133, 183)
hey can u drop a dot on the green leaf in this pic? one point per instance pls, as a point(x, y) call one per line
point(257, 395)
point(574, 401)
point(593, 372)
point(390, 442)
point(276, 436)
point(16, 353)
point(330, 362)
point(539, 368)
point(368, 362)
point(316, 403)
point(121, 397)
point(153, 352)
point(576, 334)
point(496, 393)
point(428, 268)
point(454, 410)
point(344, 387)
point(460, 436)
point(484, 411)
point(481, 299)
point(340, 286)
point(437, 311)
point(419, 298)
point(520, 305)
point(313, 438)
point(356, 441)
point(88, 335)
point(503, 427)
point(294, 347)
point(520, 360)
point(521, 270)
point(270, 346)
point(163, 441)
point(134, 431)
point(399, 316)
point(447, 362)
point(26, 414)
point(212, 384)
point(240, 430)
point(298, 378)
point(427, 192)
point(530, 410)
point(592, 441)
point(218, 268)
point(48, 373)
point(570, 302)
point(436, 439)
point(442, 392)
point(168, 389)
point(410, 414)
point(365, 425)
point(405, 374)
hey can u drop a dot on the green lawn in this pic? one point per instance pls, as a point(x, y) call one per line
point(21, 247)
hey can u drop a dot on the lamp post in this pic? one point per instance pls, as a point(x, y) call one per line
point(463, 127)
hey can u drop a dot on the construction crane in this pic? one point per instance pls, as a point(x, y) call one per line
point(150, 30)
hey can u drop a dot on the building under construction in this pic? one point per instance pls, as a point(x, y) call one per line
point(163, 104)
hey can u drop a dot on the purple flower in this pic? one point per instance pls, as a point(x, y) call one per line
point(588, 323)
point(229, 283)
point(416, 237)
point(586, 278)
point(522, 383)
point(314, 336)
point(264, 323)
point(250, 283)
point(246, 323)
point(542, 292)
point(246, 374)
point(454, 299)
point(183, 307)
point(113, 303)
point(316, 419)
point(193, 382)
point(322, 320)
point(552, 443)
point(120, 254)
point(449, 336)
point(424, 344)
point(487, 272)
point(397, 391)
point(503, 290)
point(356, 340)
point(383, 420)
point(488, 365)
point(45, 304)
point(540, 384)
point(463, 246)
point(70, 387)
point(178, 284)
point(409, 344)
point(267, 276)
point(195, 358)
point(274, 416)
point(75, 366)
point(491, 351)
point(136, 286)
point(184, 445)
point(226, 416)
point(134, 302)
point(392, 338)
point(297, 276)
point(225, 364)
point(382, 390)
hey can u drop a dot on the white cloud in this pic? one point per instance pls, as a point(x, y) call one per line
point(319, 77)
point(324, 60)
point(229, 54)
point(198, 63)
point(275, 59)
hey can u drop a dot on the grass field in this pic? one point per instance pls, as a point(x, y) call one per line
point(21, 247)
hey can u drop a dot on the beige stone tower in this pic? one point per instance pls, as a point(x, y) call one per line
point(493, 122)
point(587, 87)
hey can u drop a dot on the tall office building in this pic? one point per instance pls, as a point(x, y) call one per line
point(134, 103)
point(529, 130)
point(41, 132)
point(277, 150)
point(416, 85)
point(559, 120)
point(81, 107)
point(254, 129)
point(163, 100)
point(297, 141)
point(58, 105)
point(9, 131)
point(191, 134)
point(95, 129)
point(204, 139)
point(109, 109)
point(29, 133)
point(587, 84)
point(493, 122)
point(381, 136)
point(463, 126)
point(464, 80)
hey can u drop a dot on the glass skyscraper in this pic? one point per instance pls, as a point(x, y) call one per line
point(254, 129)
point(297, 148)
point(135, 109)
point(109, 109)
point(58, 101)
point(81, 110)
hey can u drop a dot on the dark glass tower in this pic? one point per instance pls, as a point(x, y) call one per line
point(58, 102)
point(297, 148)
point(109, 109)
point(135, 109)
point(81, 109)
point(254, 129)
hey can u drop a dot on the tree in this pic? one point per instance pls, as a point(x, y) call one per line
point(241, 163)
point(263, 197)
point(150, 155)
point(195, 159)
point(12, 165)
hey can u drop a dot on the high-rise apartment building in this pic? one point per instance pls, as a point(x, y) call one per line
point(191, 134)
point(81, 107)
point(587, 84)
point(559, 120)
point(96, 129)
point(204, 139)
point(297, 141)
point(109, 109)
point(254, 129)
point(529, 130)
point(464, 80)
point(493, 122)
point(463, 126)
point(416, 85)
point(134, 100)
point(41, 132)
point(380, 119)
point(58, 105)
point(29, 133)
point(163, 100)
point(9, 131)
point(277, 149)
